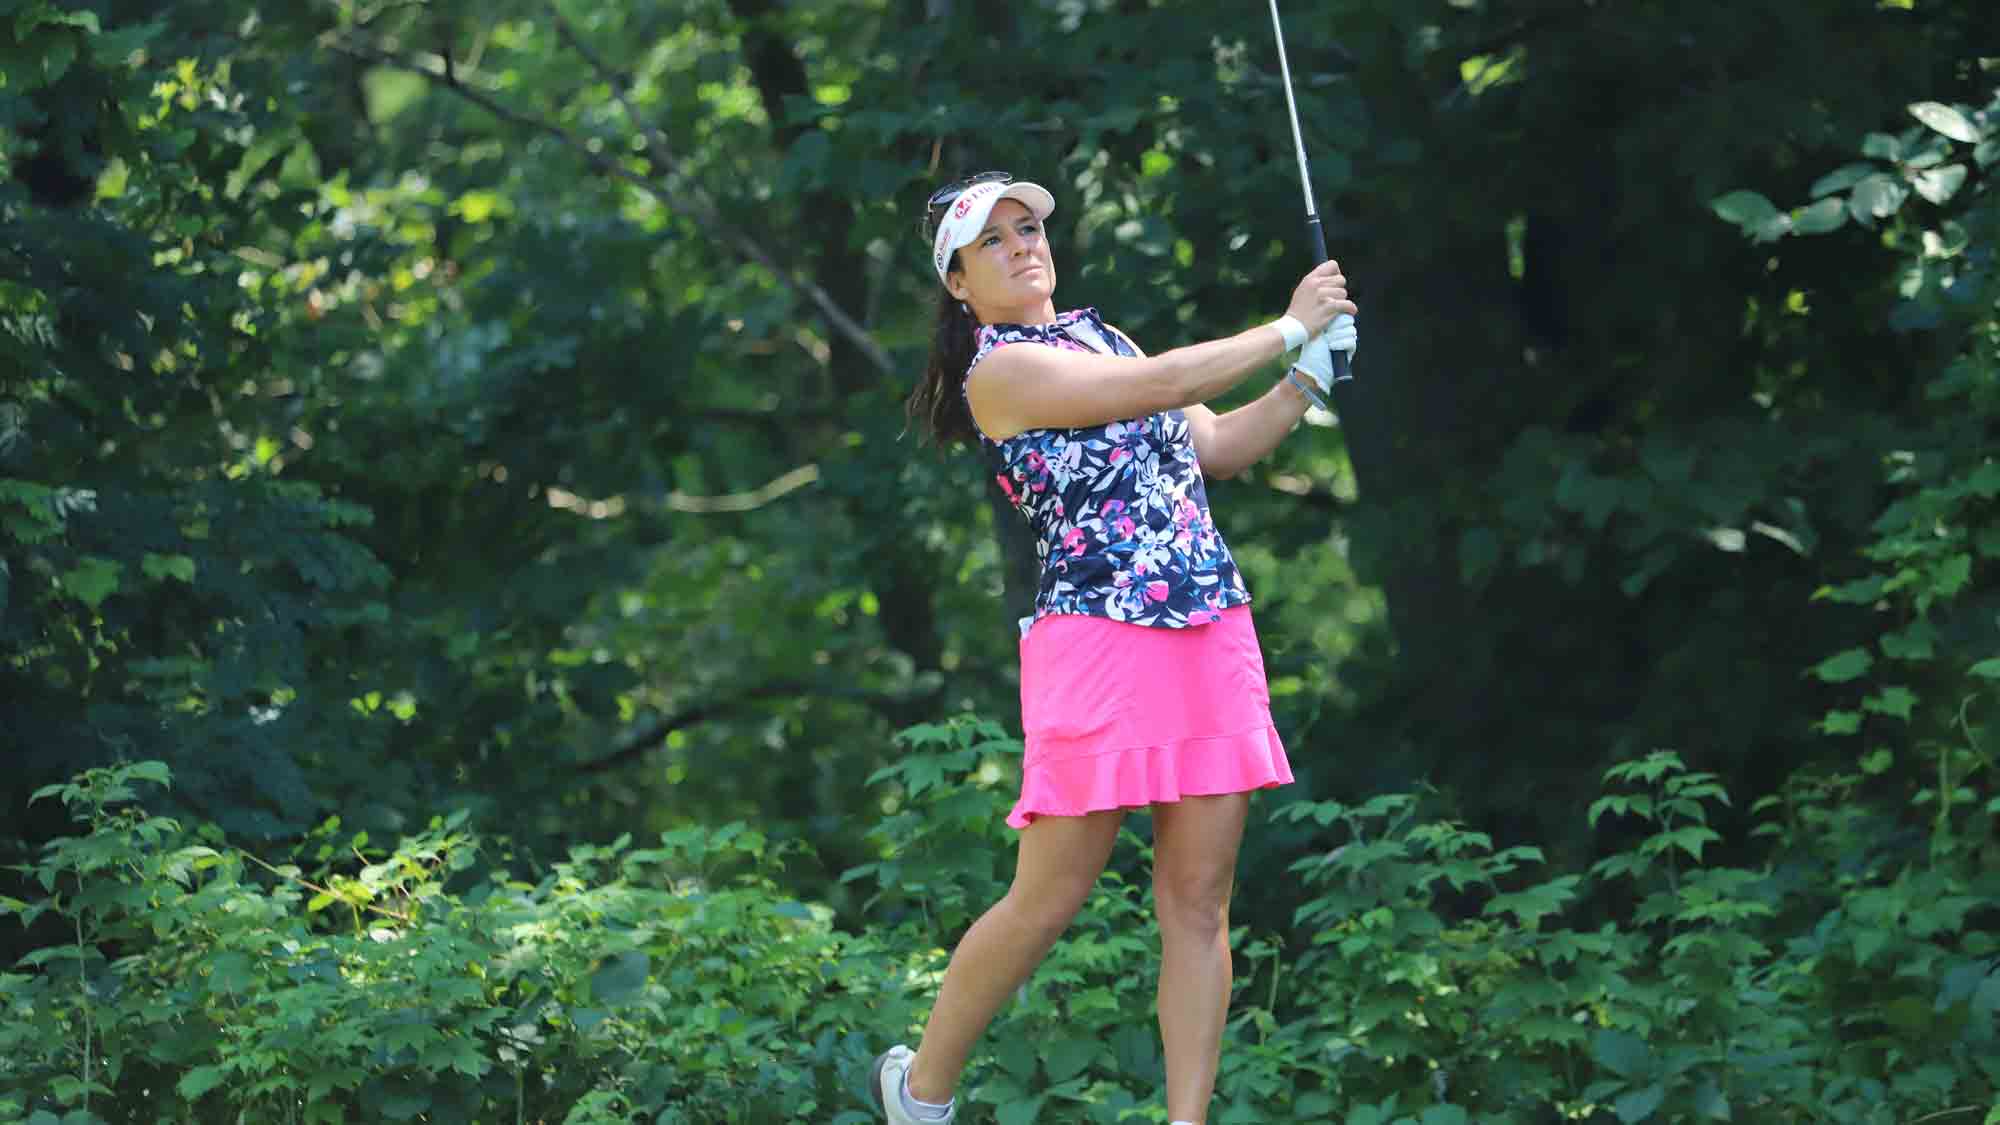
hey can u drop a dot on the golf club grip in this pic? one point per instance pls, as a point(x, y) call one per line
point(1317, 233)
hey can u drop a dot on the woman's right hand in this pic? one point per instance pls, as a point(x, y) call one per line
point(1321, 296)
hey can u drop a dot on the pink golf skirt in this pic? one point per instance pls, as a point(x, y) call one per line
point(1121, 716)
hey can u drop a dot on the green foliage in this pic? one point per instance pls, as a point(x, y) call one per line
point(401, 985)
point(1429, 977)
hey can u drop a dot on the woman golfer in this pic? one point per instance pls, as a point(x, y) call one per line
point(1142, 685)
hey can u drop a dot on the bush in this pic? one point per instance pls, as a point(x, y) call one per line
point(202, 984)
point(1849, 978)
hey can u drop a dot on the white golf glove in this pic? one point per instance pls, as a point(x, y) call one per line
point(1316, 359)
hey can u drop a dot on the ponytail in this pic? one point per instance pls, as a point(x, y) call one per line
point(938, 402)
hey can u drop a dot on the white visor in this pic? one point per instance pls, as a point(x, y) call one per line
point(967, 216)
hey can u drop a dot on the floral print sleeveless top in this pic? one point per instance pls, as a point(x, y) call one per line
point(1120, 513)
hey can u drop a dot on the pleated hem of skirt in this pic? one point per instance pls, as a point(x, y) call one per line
point(1139, 776)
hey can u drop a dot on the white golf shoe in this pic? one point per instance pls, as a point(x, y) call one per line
point(886, 1082)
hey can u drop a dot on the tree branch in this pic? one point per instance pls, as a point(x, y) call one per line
point(640, 739)
point(698, 205)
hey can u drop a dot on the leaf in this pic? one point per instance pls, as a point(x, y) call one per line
point(1897, 701)
point(1622, 1053)
point(199, 1081)
point(620, 979)
point(1819, 218)
point(1638, 1105)
point(1844, 666)
point(1840, 179)
point(1882, 146)
point(93, 580)
point(1938, 185)
point(1021, 1112)
point(1947, 120)
point(1916, 642)
point(85, 20)
point(1987, 669)
point(1067, 1058)
point(1444, 1115)
point(1745, 208)
point(1756, 215)
point(1711, 1102)
point(113, 47)
point(153, 771)
point(1876, 197)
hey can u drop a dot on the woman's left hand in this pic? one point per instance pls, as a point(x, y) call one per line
point(1316, 358)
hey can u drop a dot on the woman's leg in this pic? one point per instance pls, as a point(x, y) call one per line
point(1194, 866)
point(1060, 860)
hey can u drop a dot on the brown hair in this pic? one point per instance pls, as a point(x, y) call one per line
point(938, 402)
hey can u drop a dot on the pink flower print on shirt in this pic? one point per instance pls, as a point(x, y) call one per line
point(1007, 487)
point(1073, 541)
point(1125, 528)
point(1156, 591)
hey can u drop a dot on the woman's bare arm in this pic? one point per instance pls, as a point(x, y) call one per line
point(1027, 387)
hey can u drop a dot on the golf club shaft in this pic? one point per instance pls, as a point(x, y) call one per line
point(1315, 232)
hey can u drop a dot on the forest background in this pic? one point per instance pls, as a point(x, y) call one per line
point(442, 444)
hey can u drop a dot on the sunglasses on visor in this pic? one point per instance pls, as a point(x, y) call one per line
point(942, 197)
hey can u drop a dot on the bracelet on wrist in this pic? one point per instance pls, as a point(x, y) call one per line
point(1306, 388)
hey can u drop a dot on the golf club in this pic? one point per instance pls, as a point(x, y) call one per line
point(1314, 230)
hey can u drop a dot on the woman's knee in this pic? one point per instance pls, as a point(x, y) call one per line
point(1192, 904)
point(1049, 905)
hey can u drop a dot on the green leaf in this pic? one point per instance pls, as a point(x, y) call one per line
point(1938, 185)
point(1843, 667)
point(1068, 1057)
point(1947, 120)
point(1987, 669)
point(1020, 1112)
point(93, 580)
point(1622, 1053)
point(621, 979)
point(1882, 146)
point(1877, 761)
point(1916, 642)
point(1711, 1102)
point(1896, 701)
point(114, 47)
point(1876, 197)
point(1819, 218)
point(1640, 1104)
point(1840, 179)
point(1745, 208)
point(41, 15)
point(199, 1081)
point(1756, 215)
point(154, 771)
point(1444, 1115)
